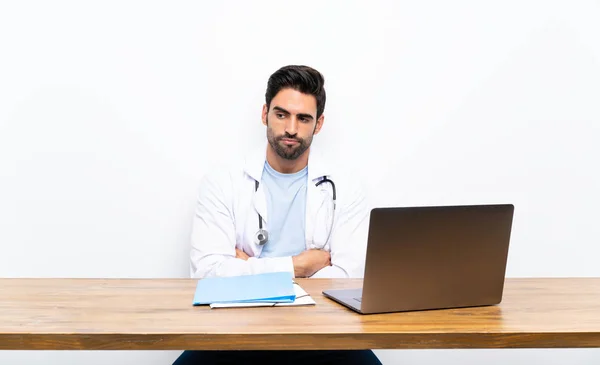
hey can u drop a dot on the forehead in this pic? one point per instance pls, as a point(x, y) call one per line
point(295, 102)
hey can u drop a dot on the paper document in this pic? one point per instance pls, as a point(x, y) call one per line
point(302, 298)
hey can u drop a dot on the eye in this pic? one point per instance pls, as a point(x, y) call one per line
point(280, 115)
point(304, 120)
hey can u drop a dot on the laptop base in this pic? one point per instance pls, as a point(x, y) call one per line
point(346, 297)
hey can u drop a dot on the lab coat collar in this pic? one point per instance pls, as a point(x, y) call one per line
point(255, 163)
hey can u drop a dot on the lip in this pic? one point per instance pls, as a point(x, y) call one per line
point(289, 142)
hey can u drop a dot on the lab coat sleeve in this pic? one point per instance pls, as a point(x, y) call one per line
point(348, 243)
point(213, 235)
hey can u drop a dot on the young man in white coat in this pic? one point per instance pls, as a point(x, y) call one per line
point(284, 208)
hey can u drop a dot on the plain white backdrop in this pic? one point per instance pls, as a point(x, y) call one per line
point(111, 112)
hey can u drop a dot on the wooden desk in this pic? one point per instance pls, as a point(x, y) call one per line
point(148, 314)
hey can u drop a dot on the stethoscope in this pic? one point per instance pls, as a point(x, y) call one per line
point(262, 235)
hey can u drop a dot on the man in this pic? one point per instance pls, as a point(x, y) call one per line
point(284, 209)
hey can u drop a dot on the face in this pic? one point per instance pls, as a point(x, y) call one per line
point(291, 123)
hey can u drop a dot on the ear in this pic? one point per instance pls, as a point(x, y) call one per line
point(319, 124)
point(265, 111)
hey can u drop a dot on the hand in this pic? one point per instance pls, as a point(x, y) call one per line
point(239, 254)
point(310, 261)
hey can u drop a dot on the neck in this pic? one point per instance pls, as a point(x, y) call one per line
point(285, 166)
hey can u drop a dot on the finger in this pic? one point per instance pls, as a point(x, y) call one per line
point(240, 254)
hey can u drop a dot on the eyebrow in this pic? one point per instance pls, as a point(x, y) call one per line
point(300, 115)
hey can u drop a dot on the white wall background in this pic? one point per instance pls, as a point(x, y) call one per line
point(111, 112)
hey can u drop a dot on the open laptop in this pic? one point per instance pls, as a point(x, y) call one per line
point(421, 258)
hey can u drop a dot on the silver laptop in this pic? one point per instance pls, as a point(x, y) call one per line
point(421, 258)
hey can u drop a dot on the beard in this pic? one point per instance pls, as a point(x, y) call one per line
point(285, 151)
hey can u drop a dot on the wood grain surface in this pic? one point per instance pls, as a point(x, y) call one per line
point(157, 314)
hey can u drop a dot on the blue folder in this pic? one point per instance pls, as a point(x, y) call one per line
point(270, 287)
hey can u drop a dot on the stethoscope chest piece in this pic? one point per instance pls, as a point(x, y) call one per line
point(262, 236)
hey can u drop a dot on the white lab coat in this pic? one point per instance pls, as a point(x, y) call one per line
point(226, 218)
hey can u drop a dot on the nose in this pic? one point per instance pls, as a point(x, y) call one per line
point(291, 126)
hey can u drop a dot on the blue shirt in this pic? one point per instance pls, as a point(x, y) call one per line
point(286, 211)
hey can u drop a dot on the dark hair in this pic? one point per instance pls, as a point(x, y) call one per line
point(305, 79)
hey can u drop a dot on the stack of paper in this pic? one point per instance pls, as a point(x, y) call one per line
point(270, 287)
